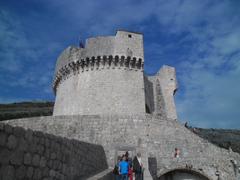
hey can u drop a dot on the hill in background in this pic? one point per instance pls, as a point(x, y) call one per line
point(225, 138)
point(25, 109)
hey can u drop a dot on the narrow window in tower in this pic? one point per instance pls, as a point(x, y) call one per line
point(129, 35)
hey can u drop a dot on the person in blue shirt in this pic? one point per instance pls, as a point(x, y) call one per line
point(123, 168)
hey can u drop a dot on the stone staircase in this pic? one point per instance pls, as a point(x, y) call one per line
point(104, 175)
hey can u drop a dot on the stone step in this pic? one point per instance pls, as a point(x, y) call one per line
point(104, 175)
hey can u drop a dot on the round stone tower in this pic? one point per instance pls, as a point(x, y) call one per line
point(104, 77)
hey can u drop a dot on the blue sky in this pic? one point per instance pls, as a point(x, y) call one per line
point(201, 39)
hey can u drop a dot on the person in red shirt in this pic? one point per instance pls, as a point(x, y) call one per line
point(130, 172)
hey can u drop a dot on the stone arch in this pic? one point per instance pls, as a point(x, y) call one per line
point(182, 174)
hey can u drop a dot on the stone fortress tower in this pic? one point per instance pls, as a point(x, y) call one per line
point(104, 100)
point(106, 77)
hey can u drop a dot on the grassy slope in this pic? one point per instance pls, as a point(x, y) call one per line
point(222, 137)
point(25, 109)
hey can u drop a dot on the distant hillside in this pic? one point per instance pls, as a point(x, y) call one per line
point(224, 138)
point(25, 109)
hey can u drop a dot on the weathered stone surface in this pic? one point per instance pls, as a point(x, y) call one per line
point(45, 172)
point(9, 173)
point(33, 148)
point(2, 127)
point(12, 142)
point(16, 157)
point(18, 132)
point(40, 149)
point(47, 153)
point(22, 144)
point(53, 155)
point(3, 138)
point(21, 172)
point(8, 129)
point(52, 173)
point(27, 158)
point(36, 160)
point(37, 174)
point(29, 135)
point(29, 172)
point(4, 156)
point(43, 162)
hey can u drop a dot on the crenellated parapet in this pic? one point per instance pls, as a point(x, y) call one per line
point(96, 63)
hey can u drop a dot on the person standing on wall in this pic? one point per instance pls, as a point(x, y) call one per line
point(123, 168)
point(138, 167)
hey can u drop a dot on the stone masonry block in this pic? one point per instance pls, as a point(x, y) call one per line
point(50, 164)
point(40, 149)
point(27, 158)
point(29, 135)
point(18, 131)
point(23, 146)
point(8, 129)
point(37, 174)
point(12, 142)
point(33, 148)
point(9, 173)
point(43, 162)
point(20, 172)
point(36, 160)
point(36, 139)
point(16, 158)
point(4, 156)
point(29, 172)
point(3, 138)
point(38, 133)
point(47, 142)
point(53, 155)
point(56, 164)
point(52, 173)
point(47, 153)
point(45, 172)
point(42, 140)
point(2, 125)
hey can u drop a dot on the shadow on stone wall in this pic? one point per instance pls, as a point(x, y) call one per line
point(152, 165)
point(27, 154)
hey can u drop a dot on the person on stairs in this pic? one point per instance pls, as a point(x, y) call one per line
point(138, 167)
point(123, 168)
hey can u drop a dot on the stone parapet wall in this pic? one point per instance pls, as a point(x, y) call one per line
point(156, 138)
point(27, 154)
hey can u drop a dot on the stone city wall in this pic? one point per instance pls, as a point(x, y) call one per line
point(155, 138)
point(27, 154)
